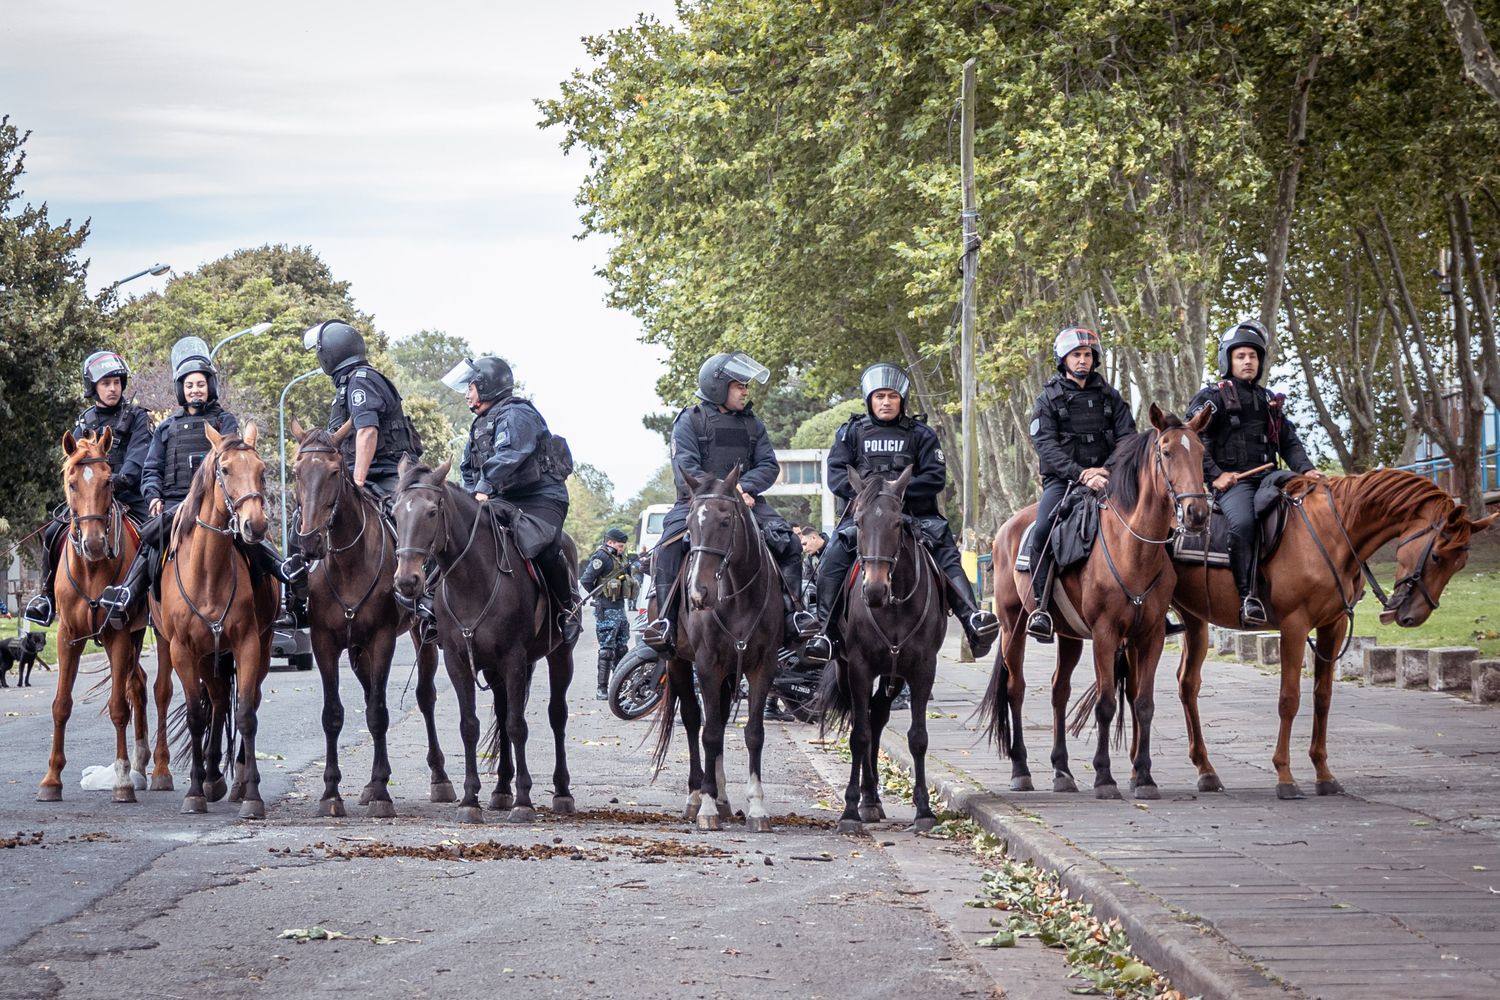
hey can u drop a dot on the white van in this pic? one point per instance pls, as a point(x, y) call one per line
point(648, 533)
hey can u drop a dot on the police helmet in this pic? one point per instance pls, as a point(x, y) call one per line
point(190, 354)
point(883, 375)
point(1245, 333)
point(491, 376)
point(721, 369)
point(338, 344)
point(102, 365)
point(616, 535)
point(1071, 339)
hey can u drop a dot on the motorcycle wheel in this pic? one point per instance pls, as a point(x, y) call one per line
point(636, 685)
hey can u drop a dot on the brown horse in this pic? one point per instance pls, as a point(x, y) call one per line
point(352, 606)
point(97, 550)
point(1120, 594)
point(211, 603)
point(1333, 528)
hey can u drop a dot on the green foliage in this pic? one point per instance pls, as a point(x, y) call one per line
point(591, 507)
point(817, 431)
point(421, 361)
point(437, 431)
point(786, 408)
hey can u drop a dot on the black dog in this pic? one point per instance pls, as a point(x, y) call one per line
point(21, 651)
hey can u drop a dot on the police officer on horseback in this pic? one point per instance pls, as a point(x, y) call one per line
point(1076, 423)
point(178, 447)
point(709, 439)
point(613, 574)
point(512, 456)
point(105, 378)
point(1249, 430)
point(885, 440)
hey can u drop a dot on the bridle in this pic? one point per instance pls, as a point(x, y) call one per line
point(351, 611)
point(113, 525)
point(739, 522)
point(231, 503)
point(918, 579)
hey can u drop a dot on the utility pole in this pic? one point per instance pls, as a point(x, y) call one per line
point(966, 348)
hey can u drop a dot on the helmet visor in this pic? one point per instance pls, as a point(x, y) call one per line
point(311, 337)
point(460, 375)
point(103, 364)
point(740, 367)
point(884, 376)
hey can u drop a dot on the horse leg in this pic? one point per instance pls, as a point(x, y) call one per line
point(251, 669)
point(714, 711)
point(916, 744)
point(1189, 683)
point(680, 676)
point(326, 653)
point(503, 797)
point(1014, 660)
point(757, 820)
point(199, 718)
point(1293, 643)
point(559, 676)
point(461, 675)
point(374, 669)
point(1328, 641)
point(727, 697)
point(441, 788)
point(1069, 652)
point(517, 677)
point(1143, 658)
point(860, 685)
point(161, 770)
point(218, 699)
point(870, 807)
point(1105, 647)
point(140, 753)
point(116, 644)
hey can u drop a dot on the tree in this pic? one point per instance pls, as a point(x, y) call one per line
point(422, 360)
point(817, 430)
point(591, 506)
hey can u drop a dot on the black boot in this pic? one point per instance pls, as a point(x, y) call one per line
point(661, 632)
point(602, 674)
point(120, 600)
point(1039, 624)
point(559, 579)
point(1252, 612)
point(981, 627)
point(421, 610)
point(838, 558)
point(42, 609)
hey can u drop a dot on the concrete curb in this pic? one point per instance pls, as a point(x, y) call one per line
point(1198, 960)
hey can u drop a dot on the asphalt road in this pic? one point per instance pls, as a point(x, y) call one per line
point(625, 899)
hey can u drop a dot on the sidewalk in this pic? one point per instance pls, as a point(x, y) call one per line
point(1392, 890)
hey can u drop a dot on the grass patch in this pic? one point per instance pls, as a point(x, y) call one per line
point(1469, 614)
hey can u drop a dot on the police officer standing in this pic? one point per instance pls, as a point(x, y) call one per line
point(178, 446)
point(885, 440)
point(708, 440)
point(1249, 429)
point(1076, 423)
point(105, 377)
point(613, 574)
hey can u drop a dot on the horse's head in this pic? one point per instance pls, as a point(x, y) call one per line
point(877, 525)
point(716, 516)
point(319, 468)
point(421, 523)
point(86, 483)
point(1427, 558)
point(240, 482)
point(1178, 459)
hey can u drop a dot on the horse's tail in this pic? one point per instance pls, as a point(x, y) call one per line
point(1122, 671)
point(179, 736)
point(834, 701)
point(665, 723)
point(1083, 709)
point(489, 746)
point(993, 712)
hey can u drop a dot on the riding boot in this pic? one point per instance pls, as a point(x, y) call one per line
point(120, 600)
point(602, 674)
point(421, 610)
point(981, 627)
point(837, 560)
point(42, 609)
point(1252, 612)
point(558, 576)
point(799, 623)
point(661, 632)
point(1039, 624)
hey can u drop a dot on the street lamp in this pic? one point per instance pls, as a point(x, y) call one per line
point(281, 445)
point(257, 328)
point(154, 269)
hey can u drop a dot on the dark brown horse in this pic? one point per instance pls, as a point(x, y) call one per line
point(493, 622)
point(732, 628)
point(98, 547)
point(1118, 598)
point(894, 620)
point(352, 607)
point(1334, 527)
point(211, 603)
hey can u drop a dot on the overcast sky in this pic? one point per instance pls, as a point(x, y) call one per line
point(399, 141)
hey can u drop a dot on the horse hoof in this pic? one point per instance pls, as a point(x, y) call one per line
point(161, 783)
point(253, 809)
point(709, 820)
point(1107, 791)
point(691, 810)
point(871, 814)
point(124, 793)
point(852, 827)
point(1147, 792)
point(1288, 790)
point(1210, 783)
point(757, 824)
point(442, 791)
point(1330, 787)
point(195, 804)
point(366, 795)
point(1064, 783)
point(382, 809)
point(470, 814)
point(521, 814)
point(237, 792)
point(500, 803)
point(562, 805)
point(214, 790)
point(49, 793)
point(726, 811)
point(1022, 783)
point(332, 807)
point(924, 824)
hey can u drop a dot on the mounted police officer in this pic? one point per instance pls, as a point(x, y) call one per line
point(105, 378)
point(178, 446)
point(1076, 423)
point(512, 456)
point(613, 573)
point(1249, 430)
point(708, 440)
point(885, 440)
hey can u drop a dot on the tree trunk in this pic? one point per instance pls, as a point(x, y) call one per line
point(1286, 203)
point(1480, 66)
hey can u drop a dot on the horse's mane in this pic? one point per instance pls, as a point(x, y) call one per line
point(183, 527)
point(1379, 492)
point(317, 436)
point(1125, 465)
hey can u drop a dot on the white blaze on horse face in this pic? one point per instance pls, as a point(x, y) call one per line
point(1185, 445)
point(88, 474)
point(702, 515)
point(408, 506)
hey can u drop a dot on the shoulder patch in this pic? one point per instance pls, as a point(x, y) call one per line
point(940, 457)
point(597, 564)
point(357, 397)
point(1036, 425)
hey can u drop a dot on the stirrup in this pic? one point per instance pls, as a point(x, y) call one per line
point(658, 634)
point(293, 569)
point(980, 627)
point(1252, 612)
point(819, 649)
point(1039, 626)
point(802, 624)
point(39, 610)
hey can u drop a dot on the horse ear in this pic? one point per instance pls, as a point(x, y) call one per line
point(1199, 421)
point(250, 433)
point(214, 437)
point(855, 479)
point(1483, 522)
point(441, 472)
point(69, 443)
point(903, 480)
point(297, 431)
point(733, 479)
point(342, 432)
point(405, 465)
point(106, 439)
point(1158, 417)
point(693, 482)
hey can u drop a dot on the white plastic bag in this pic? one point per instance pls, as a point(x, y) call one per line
point(98, 777)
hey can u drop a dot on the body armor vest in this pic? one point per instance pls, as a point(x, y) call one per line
point(541, 465)
point(1251, 424)
point(1085, 420)
point(186, 446)
point(617, 585)
point(725, 442)
point(394, 437)
point(119, 423)
point(883, 448)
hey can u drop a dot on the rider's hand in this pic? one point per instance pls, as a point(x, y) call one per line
point(155, 508)
point(1224, 480)
point(482, 497)
point(1095, 479)
point(1316, 475)
point(749, 500)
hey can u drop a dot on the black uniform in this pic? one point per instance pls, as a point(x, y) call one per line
point(1249, 429)
point(1073, 428)
point(368, 398)
point(178, 446)
point(614, 575)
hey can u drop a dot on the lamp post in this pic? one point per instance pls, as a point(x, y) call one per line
point(154, 269)
point(257, 328)
point(281, 445)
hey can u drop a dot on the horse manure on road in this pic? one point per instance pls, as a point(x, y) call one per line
point(646, 849)
point(457, 850)
point(22, 839)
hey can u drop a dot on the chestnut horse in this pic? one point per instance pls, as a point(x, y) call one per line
point(1121, 592)
point(212, 603)
point(97, 550)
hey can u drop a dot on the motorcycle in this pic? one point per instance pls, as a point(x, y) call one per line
point(639, 679)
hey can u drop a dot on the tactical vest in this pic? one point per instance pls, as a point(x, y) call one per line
point(186, 446)
point(1085, 420)
point(724, 440)
point(882, 448)
point(1248, 427)
point(119, 422)
point(549, 462)
point(394, 436)
point(618, 585)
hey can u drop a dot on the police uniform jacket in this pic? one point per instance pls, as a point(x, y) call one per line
point(607, 568)
point(178, 446)
point(709, 442)
point(1076, 427)
point(888, 448)
point(368, 398)
point(131, 427)
point(1249, 428)
point(506, 454)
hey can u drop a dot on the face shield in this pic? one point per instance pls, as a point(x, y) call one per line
point(884, 376)
point(740, 367)
point(460, 375)
point(310, 338)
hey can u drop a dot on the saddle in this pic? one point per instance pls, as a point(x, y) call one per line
point(1212, 547)
point(1074, 529)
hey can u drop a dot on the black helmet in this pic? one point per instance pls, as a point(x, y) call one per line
point(338, 344)
point(102, 365)
point(491, 376)
point(1245, 333)
point(616, 535)
point(721, 369)
point(1071, 339)
point(883, 375)
point(190, 354)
